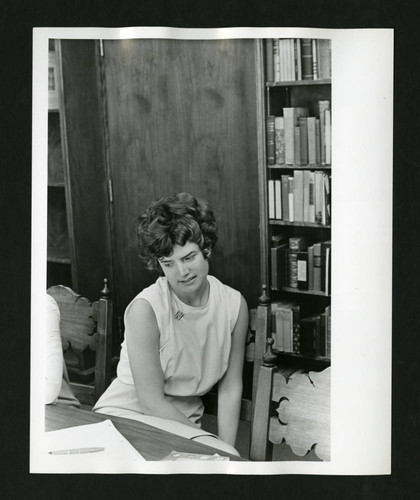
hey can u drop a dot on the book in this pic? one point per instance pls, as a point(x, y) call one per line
point(269, 60)
point(279, 140)
point(298, 243)
point(298, 59)
point(292, 275)
point(296, 139)
point(278, 308)
point(276, 60)
point(287, 316)
point(321, 347)
point(325, 254)
point(317, 142)
point(278, 266)
point(291, 199)
point(308, 335)
point(310, 267)
point(328, 331)
point(285, 196)
point(291, 120)
point(271, 200)
point(311, 196)
point(326, 201)
point(311, 126)
point(296, 329)
point(277, 199)
point(319, 196)
point(317, 266)
point(302, 270)
point(270, 137)
point(324, 58)
point(323, 106)
point(282, 59)
point(303, 125)
point(306, 177)
point(328, 136)
point(314, 60)
point(298, 195)
point(306, 50)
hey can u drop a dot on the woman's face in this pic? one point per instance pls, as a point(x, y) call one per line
point(186, 271)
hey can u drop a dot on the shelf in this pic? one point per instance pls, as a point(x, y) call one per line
point(299, 83)
point(58, 255)
point(308, 357)
point(274, 222)
point(299, 167)
point(298, 291)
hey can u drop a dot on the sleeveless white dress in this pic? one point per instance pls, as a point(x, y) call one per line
point(194, 349)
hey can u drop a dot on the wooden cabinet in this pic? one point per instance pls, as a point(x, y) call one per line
point(147, 118)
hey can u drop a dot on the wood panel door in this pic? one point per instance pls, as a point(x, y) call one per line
point(181, 116)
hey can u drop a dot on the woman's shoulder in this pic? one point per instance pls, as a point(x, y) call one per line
point(221, 287)
point(150, 298)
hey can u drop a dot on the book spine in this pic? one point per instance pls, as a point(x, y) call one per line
point(277, 199)
point(306, 175)
point(269, 60)
point(298, 195)
point(291, 200)
point(298, 59)
point(328, 137)
point(322, 348)
point(312, 197)
point(317, 266)
point(324, 59)
point(323, 106)
point(298, 243)
point(276, 60)
point(271, 200)
point(317, 331)
point(319, 195)
point(285, 196)
point(287, 329)
point(311, 267)
point(296, 141)
point(270, 133)
point(279, 140)
point(279, 331)
point(302, 270)
point(274, 330)
point(311, 123)
point(292, 269)
point(296, 329)
point(303, 125)
point(314, 60)
point(317, 142)
point(306, 50)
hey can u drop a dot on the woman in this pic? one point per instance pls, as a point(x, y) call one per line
point(184, 333)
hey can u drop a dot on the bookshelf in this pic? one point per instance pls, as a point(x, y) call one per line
point(60, 252)
point(294, 143)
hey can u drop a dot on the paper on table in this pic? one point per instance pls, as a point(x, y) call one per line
point(118, 455)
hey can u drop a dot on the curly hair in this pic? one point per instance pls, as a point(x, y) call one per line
point(175, 220)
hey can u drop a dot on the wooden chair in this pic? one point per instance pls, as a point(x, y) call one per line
point(86, 327)
point(290, 407)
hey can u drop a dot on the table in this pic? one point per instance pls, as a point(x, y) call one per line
point(150, 442)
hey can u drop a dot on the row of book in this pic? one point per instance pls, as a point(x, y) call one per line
point(304, 196)
point(295, 331)
point(294, 59)
point(299, 139)
point(297, 264)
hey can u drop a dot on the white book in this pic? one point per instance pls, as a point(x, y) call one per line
point(277, 196)
point(271, 200)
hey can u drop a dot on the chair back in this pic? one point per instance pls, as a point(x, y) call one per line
point(86, 327)
point(291, 407)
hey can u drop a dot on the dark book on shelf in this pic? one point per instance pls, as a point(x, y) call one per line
point(269, 60)
point(270, 137)
point(302, 270)
point(285, 196)
point(308, 335)
point(278, 266)
point(279, 140)
point(303, 125)
point(306, 50)
point(317, 266)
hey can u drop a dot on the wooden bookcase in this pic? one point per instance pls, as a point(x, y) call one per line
point(272, 97)
point(60, 246)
